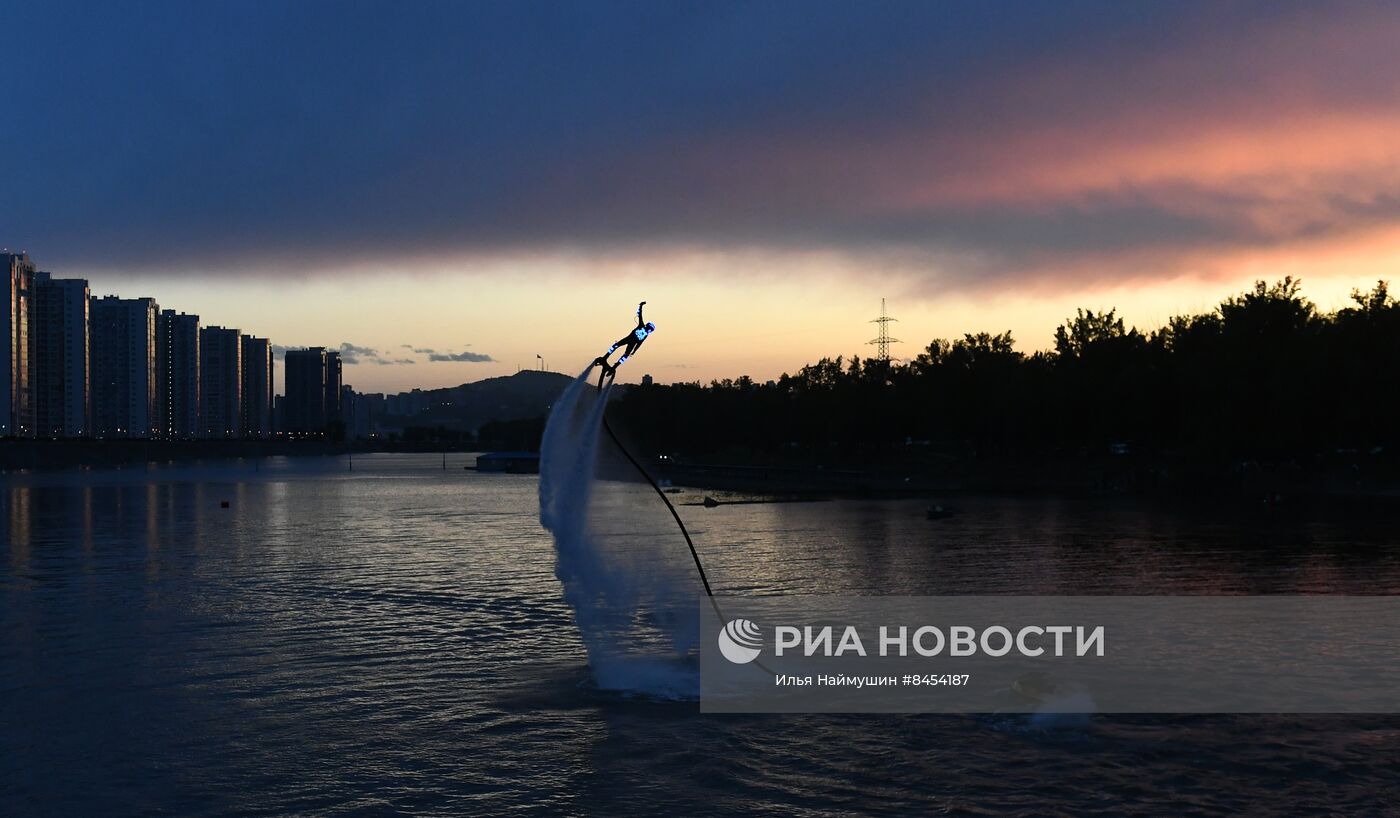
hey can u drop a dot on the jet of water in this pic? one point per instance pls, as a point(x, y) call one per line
point(615, 558)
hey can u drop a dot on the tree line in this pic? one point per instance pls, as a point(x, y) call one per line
point(1266, 375)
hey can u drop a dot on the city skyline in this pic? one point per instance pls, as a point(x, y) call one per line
point(823, 318)
point(515, 177)
point(75, 365)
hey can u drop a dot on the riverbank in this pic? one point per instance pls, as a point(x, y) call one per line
point(47, 454)
point(1261, 482)
point(1355, 476)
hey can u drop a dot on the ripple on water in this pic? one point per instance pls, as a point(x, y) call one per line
point(393, 641)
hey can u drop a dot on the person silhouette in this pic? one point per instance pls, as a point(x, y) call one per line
point(630, 343)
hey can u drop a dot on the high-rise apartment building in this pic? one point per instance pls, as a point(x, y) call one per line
point(16, 409)
point(304, 389)
point(257, 387)
point(59, 349)
point(362, 413)
point(177, 375)
point(122, 363)
point(221, 382)
point(334, 422)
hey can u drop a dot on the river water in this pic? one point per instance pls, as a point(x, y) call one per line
point(392, 641)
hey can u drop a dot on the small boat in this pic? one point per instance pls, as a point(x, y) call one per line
point(938, 512)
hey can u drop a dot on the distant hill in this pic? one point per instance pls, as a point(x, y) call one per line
point(526, 394)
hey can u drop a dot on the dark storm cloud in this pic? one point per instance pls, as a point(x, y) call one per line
point(987, 139)
point(469, 357)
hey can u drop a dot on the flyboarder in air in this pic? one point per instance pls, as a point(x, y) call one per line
point(631, 341)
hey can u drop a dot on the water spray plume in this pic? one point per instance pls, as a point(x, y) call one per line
point(634, 603)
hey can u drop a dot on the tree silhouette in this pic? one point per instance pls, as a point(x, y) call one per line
point(1263, 377)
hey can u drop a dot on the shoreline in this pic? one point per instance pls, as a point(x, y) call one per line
point(43, 455)
point(1047, 476)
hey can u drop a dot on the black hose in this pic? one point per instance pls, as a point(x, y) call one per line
point(695, 555)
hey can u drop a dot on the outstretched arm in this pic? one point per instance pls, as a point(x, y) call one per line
point(640, 322)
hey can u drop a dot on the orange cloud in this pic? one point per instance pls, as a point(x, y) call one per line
point(1231, 140)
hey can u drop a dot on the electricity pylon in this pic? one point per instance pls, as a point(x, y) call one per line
point(882, 343)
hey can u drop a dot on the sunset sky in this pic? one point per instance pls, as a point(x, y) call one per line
point(508, 179)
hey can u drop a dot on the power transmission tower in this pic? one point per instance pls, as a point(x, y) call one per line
point(882, 343)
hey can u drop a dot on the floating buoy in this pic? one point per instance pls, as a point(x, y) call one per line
point(223, 504)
